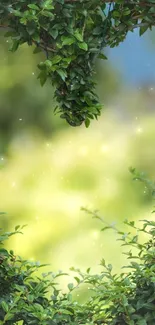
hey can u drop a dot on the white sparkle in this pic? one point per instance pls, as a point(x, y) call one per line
point(2, 158)
point(139, 130)
point(95, 234)
point(151, 89)
point(13, 184)
point(104, 148)
point(33, 73)
point(20, 119)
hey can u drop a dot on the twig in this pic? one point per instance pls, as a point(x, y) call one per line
point(45, 48)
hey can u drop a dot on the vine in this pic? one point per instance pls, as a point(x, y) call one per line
point(73, 35)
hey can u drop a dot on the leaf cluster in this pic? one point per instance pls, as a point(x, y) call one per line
point(115, 299)
point(73, 34)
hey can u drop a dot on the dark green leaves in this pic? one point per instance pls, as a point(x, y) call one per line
point(14, 46)
point(143, 29)
point(124, 298)
point(62, 74)
point(87, 122)
point(77, 32)
point(54, 33)
point(42, 77)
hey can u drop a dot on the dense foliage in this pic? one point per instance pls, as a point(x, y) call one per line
point(72, 35)
point(115, 299)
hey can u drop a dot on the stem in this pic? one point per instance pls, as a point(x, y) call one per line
point(42, 46)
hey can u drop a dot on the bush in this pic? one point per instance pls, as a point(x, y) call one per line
point(115, 299)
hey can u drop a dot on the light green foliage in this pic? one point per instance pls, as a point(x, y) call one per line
point(72, 35)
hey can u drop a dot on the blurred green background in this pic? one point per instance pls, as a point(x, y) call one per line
point(49, 169)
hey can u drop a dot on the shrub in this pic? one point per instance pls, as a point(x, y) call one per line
point(115, 299)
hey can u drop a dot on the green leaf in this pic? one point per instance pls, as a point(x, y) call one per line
point(70, 286)
point(56, 59)
point(102, 262)
point(78, 35)
point(11, 34)
point(126, 12)
point(17, 227)
point(83, 46)
point(14, 46)
point(109, 266)
point(33, 6)
point(105, 228)
point(37, 50)
point(142, 30)
point(17, 13)
point(31, 27)
point(62, 74)
point(69, 297)
point(116, 14)
point(47, 4)
point(102, 56)
point(36, 37)
point(87, 122)
point(9, 316)
point(54, 33)
point(65, 312)
point(42, 77)
point(67, 40)
point(48, 14)
point(142, 322)
point(4, 252)
point(77, 279)
point(4, 306)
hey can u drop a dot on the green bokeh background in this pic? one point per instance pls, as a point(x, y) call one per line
point(49, 170)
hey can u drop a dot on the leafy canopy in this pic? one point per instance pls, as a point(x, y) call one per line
point(73, 33)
